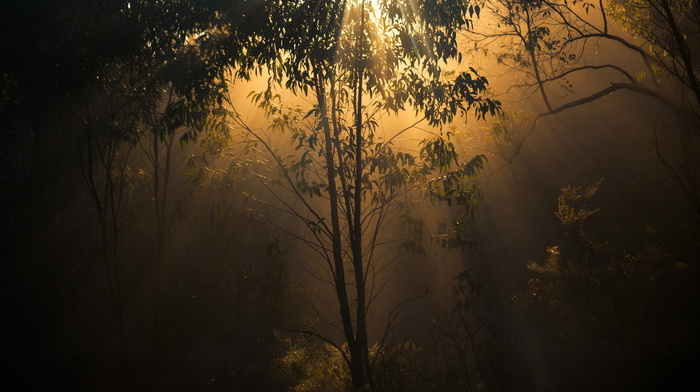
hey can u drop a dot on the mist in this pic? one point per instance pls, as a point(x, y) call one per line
point(206, 197)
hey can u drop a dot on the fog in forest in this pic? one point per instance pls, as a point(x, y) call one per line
point(206, 195)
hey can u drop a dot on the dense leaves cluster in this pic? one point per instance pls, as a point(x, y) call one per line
point(619, 310)
point(356, 62)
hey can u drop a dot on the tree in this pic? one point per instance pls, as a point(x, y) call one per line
point(555, 46)
point(550, 42)
point(623, 316)
point(349, 180)
point(165, 91)
point(95, 78)
point(104, 124)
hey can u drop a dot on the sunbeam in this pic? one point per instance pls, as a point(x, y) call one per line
point(325, 195)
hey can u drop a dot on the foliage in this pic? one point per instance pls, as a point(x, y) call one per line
point(500, 140)
point(659, 23)
point(98, 97)
point(573, 53)
point(357, 62)
point(401, 367)
point(175, 279)
point(220, 282)
point(618, 310)
point(314, 367)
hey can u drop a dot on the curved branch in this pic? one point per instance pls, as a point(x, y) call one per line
point(585, 100)
point(600, 94)
point(623, 42)
point(596, 67)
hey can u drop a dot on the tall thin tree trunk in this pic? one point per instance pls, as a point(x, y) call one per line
point(161, 181)
point(105, 202)
point(361, 356)
point(336, 241)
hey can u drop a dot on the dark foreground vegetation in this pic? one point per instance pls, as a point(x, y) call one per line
point(374, 216)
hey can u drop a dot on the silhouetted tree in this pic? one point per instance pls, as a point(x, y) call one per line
point(356, 61)
point(553, 44)
point(88, 79)
point(624, 314)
